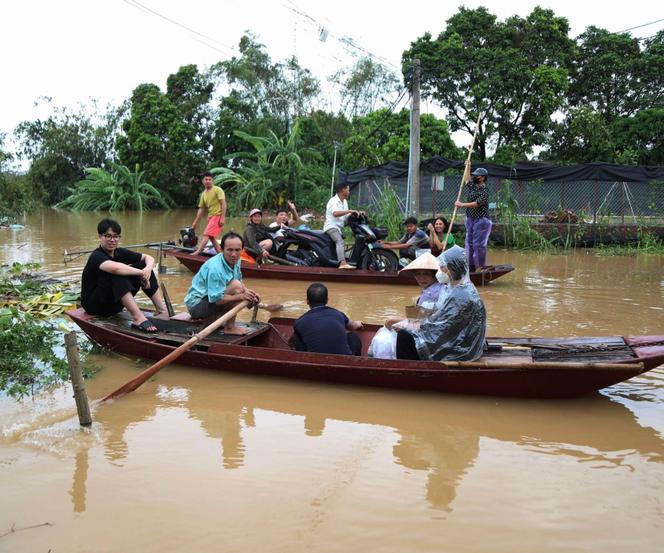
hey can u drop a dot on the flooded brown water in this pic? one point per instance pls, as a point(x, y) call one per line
point(202, 461)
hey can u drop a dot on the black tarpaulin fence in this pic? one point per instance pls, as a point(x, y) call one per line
point(593, 190)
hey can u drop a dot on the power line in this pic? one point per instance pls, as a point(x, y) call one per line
point(639, 26)
point(138, 5)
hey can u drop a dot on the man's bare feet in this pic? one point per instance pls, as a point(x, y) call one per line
point(236, 330)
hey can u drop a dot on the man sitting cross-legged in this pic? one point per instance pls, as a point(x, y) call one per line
point(112, 277)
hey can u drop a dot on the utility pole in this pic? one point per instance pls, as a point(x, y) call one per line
point(414, 157)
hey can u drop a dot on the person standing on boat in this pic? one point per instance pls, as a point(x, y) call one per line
point(217, 287)
point(456, 330)
point(336, 215)
point(214, 200)
point(437, 233)
point(257, 237)
point(478, 221)
point(413, 239)
point(324, 329)
point(112, 276)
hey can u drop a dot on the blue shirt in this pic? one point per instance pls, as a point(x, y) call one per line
point(211, 280)
point(323, 329)
point(430, 295)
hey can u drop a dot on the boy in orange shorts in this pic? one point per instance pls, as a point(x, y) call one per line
point(214, 199)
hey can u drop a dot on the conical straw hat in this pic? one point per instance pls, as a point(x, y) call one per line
point(425, 261)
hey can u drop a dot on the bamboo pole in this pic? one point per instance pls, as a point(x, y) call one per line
point(464, 179)
point(80, 396)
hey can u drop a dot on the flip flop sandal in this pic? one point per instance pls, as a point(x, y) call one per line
point(145, 327)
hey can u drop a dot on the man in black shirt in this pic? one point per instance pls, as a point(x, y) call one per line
point(323, 329)
point(478, 221)
point(112, 277)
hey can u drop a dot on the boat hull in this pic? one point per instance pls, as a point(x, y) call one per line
point(512, 374)
point(329, 274)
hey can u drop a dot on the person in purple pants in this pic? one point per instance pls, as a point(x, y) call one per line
point(478, 222)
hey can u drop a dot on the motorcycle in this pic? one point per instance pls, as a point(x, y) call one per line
point(315, 247)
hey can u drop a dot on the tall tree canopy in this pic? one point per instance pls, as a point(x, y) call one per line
point(167, 134)
point(384, 136)
point(63, 145)
point(365, 87)
point(513, 74)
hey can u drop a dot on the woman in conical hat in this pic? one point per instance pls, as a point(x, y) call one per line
point(424, 269)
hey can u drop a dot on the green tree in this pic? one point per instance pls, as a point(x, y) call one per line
point(15, 193)
point(63, 145)
point(513, 74)
point(167, 133)
point(114, 190)
point(364, 87)
point(607, 74)
point(279, 92)
point(384, 136)
point(271, 172)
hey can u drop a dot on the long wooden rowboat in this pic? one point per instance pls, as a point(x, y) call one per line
point(329, 274)
point(520, 367)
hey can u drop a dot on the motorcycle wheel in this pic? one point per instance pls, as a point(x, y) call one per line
point(380, 260)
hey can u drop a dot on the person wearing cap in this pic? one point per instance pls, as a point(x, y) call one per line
point(413, 239)
point(478, 221)
point(424, 269)
point(257, 237)
point(214, 200)
point(456, 330)
point(336, 215)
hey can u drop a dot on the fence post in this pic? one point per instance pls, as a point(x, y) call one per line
point(82, 405)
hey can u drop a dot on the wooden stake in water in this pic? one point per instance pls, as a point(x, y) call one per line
point(81, 397)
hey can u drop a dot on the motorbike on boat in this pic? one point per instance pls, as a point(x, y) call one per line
point(315, 247)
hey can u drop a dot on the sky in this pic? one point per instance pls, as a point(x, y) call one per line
point(77, 50)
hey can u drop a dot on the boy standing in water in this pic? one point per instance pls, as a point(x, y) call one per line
point(214, 199)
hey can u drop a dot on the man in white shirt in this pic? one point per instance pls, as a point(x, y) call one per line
point(336, 214)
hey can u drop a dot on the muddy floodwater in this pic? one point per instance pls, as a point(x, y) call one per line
point(197, 460)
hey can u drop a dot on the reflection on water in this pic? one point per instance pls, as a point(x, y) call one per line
point(439, 438)
point(207, 461)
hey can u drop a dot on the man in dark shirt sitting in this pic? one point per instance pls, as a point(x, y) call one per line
point(324, 329)
point(413, 239)
point(112, 277)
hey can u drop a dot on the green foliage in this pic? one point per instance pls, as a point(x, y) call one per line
point(388, 213)
point(168, 134)
point(646, 243)
point(271, 173)
point(27, 359)
point(512, 73)
point(517, 232)
point(16, 195)
point(384, 136)
point(116, 190)
point(364, 86)
point(279, 92)
point(61, 146)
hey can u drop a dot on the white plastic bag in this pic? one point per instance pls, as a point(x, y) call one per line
point(384, 344)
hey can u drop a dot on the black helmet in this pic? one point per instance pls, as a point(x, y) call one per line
point(480, 172)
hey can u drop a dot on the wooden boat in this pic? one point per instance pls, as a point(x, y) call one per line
point(519, 367)
point(329, 274)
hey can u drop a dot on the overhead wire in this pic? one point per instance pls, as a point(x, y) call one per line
point(202, 38)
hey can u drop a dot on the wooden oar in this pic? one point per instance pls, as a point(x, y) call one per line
point(154, 369)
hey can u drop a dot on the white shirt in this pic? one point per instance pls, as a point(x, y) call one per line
point(335, 204)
